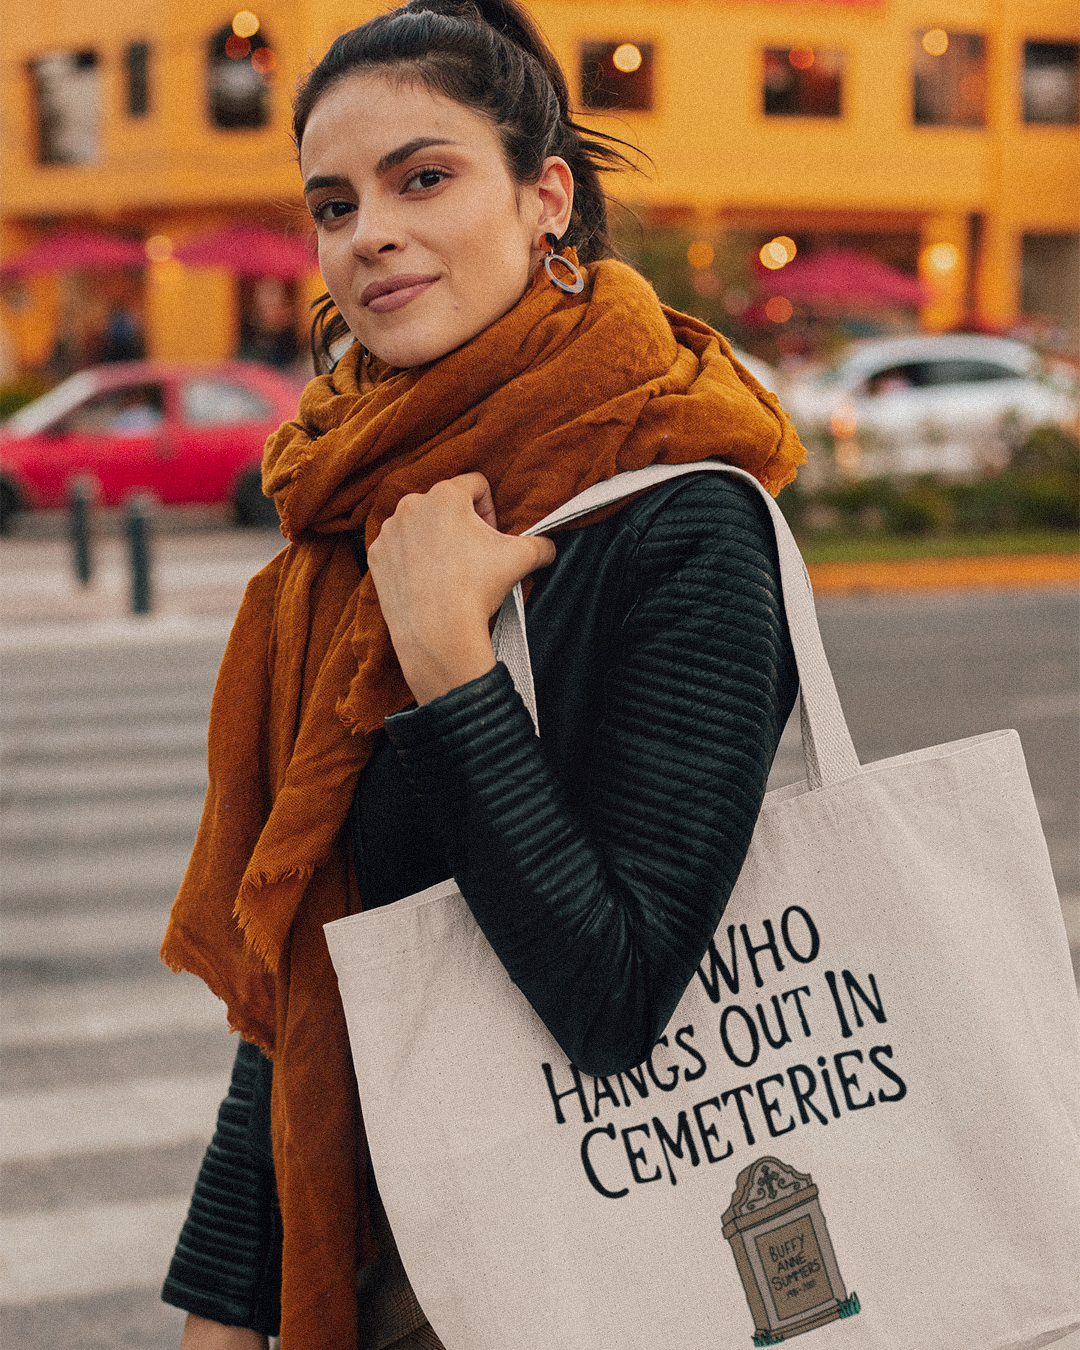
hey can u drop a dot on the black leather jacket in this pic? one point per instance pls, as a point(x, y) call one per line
point(598, 858)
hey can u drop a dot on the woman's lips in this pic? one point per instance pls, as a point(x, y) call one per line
point(394, 292)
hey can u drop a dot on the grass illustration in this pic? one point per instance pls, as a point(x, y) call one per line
point(848, 1308)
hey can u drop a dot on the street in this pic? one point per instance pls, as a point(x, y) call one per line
point(112, 1067)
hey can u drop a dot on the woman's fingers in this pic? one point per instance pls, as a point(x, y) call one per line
point(483, 503)
point(441, 570)
point(446, 541)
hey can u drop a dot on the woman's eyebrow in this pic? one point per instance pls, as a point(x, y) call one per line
point(389, 161)
point(321, 180)
point(395, 157)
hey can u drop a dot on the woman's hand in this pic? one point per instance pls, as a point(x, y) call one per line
point(201, 1334)
point(442, 569)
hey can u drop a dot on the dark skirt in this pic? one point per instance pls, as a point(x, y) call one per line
point(388, 1314)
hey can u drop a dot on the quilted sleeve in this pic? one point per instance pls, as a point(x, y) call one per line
point(227, 1264)
point(601, 911)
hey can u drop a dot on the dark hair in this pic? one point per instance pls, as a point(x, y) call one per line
point(487, 55)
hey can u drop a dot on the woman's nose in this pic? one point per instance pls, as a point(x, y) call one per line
point(374, 230)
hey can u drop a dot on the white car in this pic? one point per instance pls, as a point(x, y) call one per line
point(761, 370)
point(954, 405)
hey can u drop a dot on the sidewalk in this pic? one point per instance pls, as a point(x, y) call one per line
point(198, 581)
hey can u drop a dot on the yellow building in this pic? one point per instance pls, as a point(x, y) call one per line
point(936, 131)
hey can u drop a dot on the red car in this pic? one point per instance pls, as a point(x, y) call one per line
point(186, 434)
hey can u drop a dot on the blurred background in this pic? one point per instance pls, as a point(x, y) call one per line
point(877, 202)
point(815, 178)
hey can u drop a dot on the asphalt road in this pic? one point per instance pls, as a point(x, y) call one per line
point(112, 1068)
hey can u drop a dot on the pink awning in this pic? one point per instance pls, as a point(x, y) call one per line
point(842, 275)
point(76, 251)
point(249, 251)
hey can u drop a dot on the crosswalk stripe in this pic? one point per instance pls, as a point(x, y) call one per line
point(108, 1010)
point(80, 635)
point(40, 783)
point(137, 1113)
point(90, 822)
point(105, 743)
point(75, 1253)
point(96, 932)
point(72, 879)
point(110, 705)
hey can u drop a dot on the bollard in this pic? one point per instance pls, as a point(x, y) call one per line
point(137, 528)
point(80, 499)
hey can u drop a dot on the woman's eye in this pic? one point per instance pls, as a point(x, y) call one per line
point(424, 179)
point(332, 210)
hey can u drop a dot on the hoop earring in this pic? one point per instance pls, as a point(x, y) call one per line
point(574, 287)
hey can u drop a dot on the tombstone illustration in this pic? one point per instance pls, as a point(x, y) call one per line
point(784, 1254)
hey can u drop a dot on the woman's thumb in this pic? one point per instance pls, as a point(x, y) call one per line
point(545, 551)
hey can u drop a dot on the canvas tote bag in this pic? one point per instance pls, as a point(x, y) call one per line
point(861, 1124)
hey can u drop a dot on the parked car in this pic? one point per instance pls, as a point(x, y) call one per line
point(955, 404)
point(186, 434)
point(761, 370)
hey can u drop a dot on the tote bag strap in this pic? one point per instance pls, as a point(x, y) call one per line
point(827, 746)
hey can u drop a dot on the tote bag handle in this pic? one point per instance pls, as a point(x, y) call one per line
point(827, 746)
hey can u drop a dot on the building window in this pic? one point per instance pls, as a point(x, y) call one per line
point(67, 97)
point(238, 79)
point(949, 79)
point(137, 69)
point(1051, 281)
point(1052, 82)
point(617, 75)
point(802, 82)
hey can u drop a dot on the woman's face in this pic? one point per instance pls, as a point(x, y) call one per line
point(424, 237)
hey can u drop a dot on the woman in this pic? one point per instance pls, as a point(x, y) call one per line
point(364, 744)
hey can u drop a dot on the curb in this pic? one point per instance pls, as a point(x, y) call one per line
point(995, 571)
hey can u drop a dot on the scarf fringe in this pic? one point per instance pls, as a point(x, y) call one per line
point(238, 1024)
point(257, 880)
point(265, 945)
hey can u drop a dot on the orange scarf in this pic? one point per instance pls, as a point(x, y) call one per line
point(561, 392)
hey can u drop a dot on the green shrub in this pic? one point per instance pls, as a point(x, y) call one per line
point(981, 506)
point(1048, 450)
point(861, 505)
point(919, 507)
point(1038, 490)
point(1043, 480)
point(793, 501)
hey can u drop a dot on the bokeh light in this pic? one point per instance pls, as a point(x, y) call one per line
point(779, 309)
point(700, 253)
point(245, 24)
point(236, 48)
point(263, 60)
point(706, 284)
point(843, 422)
point(849, 458)
point(802, 58)
point(936, 41)
point(627, 58)
point(777, 252)
point(737, 301)
point(159, 248)
point(940, 258)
